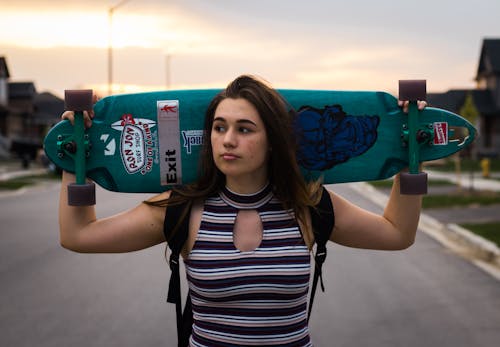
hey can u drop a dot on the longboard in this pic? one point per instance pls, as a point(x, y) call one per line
point(148, 142)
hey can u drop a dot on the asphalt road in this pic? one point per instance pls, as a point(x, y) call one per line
point(424, 296)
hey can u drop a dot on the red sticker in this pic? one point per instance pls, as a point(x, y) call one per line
point(441, 133)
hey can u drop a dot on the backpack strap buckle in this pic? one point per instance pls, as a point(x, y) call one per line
point(173, 262)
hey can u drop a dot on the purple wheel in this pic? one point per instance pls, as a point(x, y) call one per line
point(412, 90)
point(81, 194)
point(78, 100)
point(413, 184)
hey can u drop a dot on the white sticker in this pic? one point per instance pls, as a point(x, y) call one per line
point(137, 143)
point(169, 142)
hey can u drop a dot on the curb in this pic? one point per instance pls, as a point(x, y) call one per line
point(449, 235)
point(22, 173)
point(484, 249)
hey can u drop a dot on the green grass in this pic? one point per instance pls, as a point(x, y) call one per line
point(21, 182)
point(461, 199)
point(490, 231)
point(13, 184)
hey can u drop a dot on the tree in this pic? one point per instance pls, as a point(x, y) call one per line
point(470, 112)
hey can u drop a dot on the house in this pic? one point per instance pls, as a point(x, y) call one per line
point(482, 103)
point(4, 76)
point(25, 115)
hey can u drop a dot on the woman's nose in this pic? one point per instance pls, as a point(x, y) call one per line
point(229, 138)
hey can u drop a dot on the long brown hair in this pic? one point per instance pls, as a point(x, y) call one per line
point(285, 177)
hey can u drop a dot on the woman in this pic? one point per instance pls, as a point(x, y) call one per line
point(247, 254)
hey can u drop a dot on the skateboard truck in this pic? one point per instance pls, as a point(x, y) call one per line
point(77, 147)
point(414, 182)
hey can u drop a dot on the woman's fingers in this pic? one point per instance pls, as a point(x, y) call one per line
point(87, 117)
point(405, 105)
point(421, 105)
point(68, 115)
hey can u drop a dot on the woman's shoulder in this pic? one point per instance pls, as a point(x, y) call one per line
point(162, 197)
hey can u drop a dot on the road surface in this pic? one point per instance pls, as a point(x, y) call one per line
point(424, 296)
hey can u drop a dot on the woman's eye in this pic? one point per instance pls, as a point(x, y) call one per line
point(244, 130)
point(219, 128)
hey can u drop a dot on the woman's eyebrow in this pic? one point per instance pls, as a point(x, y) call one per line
point(240, 121)
point(219, 119)
point(245, 121)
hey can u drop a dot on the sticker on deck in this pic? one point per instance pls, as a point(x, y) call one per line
point(169, 142)
point(192, 138)
point(137, 143)
point(440, 133)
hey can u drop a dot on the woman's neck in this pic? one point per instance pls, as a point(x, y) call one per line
point(246, 186)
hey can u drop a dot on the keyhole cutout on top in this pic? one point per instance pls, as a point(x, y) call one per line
point(248, 230)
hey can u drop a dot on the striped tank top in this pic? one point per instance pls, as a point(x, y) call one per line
point(254, 298)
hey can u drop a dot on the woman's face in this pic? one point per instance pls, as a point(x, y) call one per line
point(240, 146)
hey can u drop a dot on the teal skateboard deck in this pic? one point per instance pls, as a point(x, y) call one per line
point(148, 142)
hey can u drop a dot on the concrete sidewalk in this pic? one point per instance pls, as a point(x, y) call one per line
point(466, 180)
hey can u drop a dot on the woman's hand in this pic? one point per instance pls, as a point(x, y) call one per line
point(405, 105)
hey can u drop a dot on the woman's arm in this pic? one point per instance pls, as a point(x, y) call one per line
point(131, 230)
point(395, 229)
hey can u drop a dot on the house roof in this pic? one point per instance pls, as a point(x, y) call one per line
point(489, 60)
point(453, 101)
point(21, 90)
point(4, 70)
point(48, 108)
point(484, 99)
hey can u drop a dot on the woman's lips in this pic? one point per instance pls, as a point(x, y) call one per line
point(229, 156)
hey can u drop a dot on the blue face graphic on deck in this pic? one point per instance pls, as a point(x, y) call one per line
point(329, 136)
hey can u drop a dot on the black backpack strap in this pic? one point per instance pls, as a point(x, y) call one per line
point(175, 242)
point(322, 220)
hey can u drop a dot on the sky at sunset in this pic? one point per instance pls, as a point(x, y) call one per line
point(315, 44)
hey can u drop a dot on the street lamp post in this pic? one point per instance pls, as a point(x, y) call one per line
point(168, 74)
point(111, 10)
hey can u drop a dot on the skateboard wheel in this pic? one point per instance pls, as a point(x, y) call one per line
point(412, 90)
point(81, 194)
point(78, 100)
point(413, 184)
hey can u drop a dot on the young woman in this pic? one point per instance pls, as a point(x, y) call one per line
point(248, 251)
